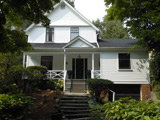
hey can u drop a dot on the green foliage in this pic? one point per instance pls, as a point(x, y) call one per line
point(58, 83)
point(40, 68)
point(35, 75)
point(15, 13)
point(125, 109)
point(111, 29)
point(14, 106)
point(96, 86)
point(15, 73)
point(10, 72)
point(97, 112)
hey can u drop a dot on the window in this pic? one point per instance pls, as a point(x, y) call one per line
point(62, 6)
point(74, 32)
point(50, 35)
point(47, 61)
point(124, 61)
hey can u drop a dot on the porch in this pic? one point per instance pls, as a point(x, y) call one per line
point(73, 68)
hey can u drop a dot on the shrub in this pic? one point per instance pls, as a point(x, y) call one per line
point(14, 107)
point(10, 82)
point(40, 68)
point(35, 75)
point(96, 86)
point(58, 83)
point(125, 109)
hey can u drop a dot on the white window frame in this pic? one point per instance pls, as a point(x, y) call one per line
point(52, 33)
point(73, 32)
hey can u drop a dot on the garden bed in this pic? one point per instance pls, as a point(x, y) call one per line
point(45, 102)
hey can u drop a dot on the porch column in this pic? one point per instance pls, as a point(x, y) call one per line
point(24, 59)
point(64, 70)
point(92, 72)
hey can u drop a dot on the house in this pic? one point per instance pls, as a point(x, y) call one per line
point(71, 51)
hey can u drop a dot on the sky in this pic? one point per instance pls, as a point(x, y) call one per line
point(91, 9)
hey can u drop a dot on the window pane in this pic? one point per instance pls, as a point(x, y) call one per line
point(50, 35)
point(74, 32)
point(47, 61)
point(124, 61)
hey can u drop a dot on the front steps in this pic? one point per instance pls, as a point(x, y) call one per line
point(75, 107)
point(78, 86)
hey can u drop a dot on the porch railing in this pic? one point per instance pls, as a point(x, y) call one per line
point(96, 74)
point(57, 74)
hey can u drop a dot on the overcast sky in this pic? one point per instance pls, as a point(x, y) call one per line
point(91, 9)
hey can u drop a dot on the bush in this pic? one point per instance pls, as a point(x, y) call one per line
point(125, 109)
point(42, 69)
point(14, 107)
point(58, 83)
point(35, 75)
point(96, 86)
point(10, 82)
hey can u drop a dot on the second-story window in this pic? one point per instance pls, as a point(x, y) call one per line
point(74, 32)
point(49, 34)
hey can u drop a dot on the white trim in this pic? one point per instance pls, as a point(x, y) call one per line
point(76, 11)
point(76, 39)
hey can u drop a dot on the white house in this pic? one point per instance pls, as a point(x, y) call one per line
point(71, 51)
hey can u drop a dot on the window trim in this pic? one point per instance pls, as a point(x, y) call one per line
point(53, 36)
point(71, 31)
point(119, 69)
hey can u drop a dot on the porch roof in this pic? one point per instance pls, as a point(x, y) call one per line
point(51, 45)
point(118, 43)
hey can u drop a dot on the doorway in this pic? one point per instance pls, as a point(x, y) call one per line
point(79, 68)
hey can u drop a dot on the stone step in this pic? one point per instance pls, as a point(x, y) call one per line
point(74, 101)
point(74, 108)
point(76, 111)
point(74, 104)
point(80, 115)
point(85, 118)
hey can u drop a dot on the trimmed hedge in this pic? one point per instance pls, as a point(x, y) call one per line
point(42, 69)
point(96, 86)
point(125, 109)
point(14, 106)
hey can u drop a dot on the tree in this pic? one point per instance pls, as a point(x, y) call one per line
point(17, 11)
point(111, 29)
point(143, 22)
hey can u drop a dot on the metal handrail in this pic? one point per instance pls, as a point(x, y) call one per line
point(113, 97)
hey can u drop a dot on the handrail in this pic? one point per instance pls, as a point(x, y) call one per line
point(113, 97)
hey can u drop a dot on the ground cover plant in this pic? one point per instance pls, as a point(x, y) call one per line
point(14, 106)
point(130, 109)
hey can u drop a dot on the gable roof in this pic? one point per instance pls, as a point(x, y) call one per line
point(76, 11)
point(77, 39)
point(117, 43)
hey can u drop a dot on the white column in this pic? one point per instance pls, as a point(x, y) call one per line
point(64, 70)
point(24, 59)
point(92, 72)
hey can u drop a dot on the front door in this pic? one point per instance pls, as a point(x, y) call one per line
point(79, 68)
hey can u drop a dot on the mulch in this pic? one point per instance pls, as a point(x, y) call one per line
point(45, 103)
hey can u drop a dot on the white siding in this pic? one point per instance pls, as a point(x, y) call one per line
point(61, 34)
point(33, 60)
point(37, 35)
point(66, 17)
point(88, 33)
point(139, 73)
